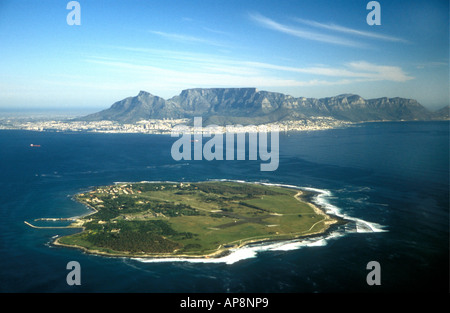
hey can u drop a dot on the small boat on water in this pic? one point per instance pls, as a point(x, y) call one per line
point(32, 145)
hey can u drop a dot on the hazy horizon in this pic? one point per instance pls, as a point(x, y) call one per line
point(80, 110)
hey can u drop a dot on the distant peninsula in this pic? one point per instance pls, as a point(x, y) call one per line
point(242, 108)
point(192, 220)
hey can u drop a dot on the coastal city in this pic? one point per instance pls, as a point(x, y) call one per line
point(166, 126)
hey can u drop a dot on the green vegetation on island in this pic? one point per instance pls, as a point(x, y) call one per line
point(201, 219)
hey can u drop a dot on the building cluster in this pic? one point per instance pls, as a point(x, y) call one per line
point(116, 190)
point(167, 126)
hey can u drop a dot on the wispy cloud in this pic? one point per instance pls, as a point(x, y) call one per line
point(379, 72)
point(187, 38)
point(161, 77)
point(318, 35)
point(350, 31)
point(179, 70)
point(432, 64)
point(356, 69)
point(216, 31)
point(303, 33)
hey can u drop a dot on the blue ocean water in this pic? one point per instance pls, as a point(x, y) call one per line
point(393, 177)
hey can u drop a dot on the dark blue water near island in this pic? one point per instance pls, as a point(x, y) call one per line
point(394, 176)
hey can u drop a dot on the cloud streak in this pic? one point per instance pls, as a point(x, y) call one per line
point(316, 35)
point(351, 31)
point(147, 68)
point(186, 38)
point(302, 33)
point(356, 69)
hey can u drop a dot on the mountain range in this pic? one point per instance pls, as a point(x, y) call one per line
point(245, 106)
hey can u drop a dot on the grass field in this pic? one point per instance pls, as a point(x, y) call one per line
point(192, 219)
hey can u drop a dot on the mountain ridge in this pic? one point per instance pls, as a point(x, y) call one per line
point(250, 106)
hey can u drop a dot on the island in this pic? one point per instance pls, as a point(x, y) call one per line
point(192, 219)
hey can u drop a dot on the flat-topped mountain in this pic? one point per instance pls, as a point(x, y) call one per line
point(250, 106)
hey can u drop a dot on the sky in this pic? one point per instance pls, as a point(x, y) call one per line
point(311, 48)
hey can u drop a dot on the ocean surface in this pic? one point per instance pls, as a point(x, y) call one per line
point(390, 180)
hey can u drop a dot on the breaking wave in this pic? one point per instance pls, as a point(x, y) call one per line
point(322, 199)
